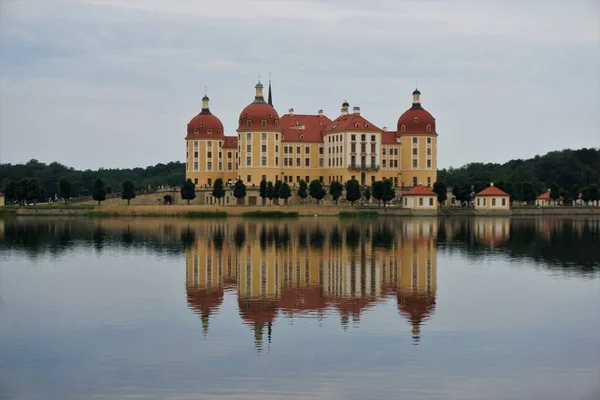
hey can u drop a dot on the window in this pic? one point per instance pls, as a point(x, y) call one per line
point(363, 138)
point(285, 150)
point(363, 147)
point(320, 162)
point(414, 181)
point(229, 166)
point(277, 161)
point(196, 131)
point(220, 165)
point(307, 149)
point(298, 162)
point(209, 166)
point(352, 137)
point(249, 178)
point(297, 178)
point(218, 131)
point(493, 202)
point(503, 202)
point(277, 136)
point(403, 128)
point(428, 140)
point(356, 125)
point(209, 143)
point(384, 151)
point(249, 148)
point(285, 162)
point(383, 163)
point(484, 201)
point(372, 162)
point(263, 161)
point(209, 131)
point(406, 201)
point(195, 181)
point(373, 146)
point(320, 149)
point(307, 179)
point(421, 201)
point(263, 123)
point(264, 148)
point(209, 154)
point(195, 154)
point(416, 119)
point(428, 163)
point(307, 162)
point(276, 148)
point(353, 161)
point(264, 177)
point(321, 179)
point(248, 160)
point(276, 122)
point(428, 151)
point(263, 136)
point(478, 203)
point(249, 123)
point(428, 181)
point(195, 165)
point(395, 181)
point(431, 201)
point(298, 149)
point(372, 138)
point(415, 140)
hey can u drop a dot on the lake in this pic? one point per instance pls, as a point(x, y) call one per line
point(314, 308)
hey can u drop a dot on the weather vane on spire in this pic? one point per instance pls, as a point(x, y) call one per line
point(205, 90)
point(416, 84)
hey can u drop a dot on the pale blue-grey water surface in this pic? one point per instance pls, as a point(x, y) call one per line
point(319, 308)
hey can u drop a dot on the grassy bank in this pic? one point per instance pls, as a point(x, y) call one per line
point(358, 214)
point(270, 214)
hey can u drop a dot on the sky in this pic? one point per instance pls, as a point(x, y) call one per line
point(107, 83)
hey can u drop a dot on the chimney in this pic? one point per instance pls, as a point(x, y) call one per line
point(385, 128)
point(356, 110)
point(320, 112)
point(291, 111)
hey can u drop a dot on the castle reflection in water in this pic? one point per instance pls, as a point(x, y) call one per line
point(280, 270)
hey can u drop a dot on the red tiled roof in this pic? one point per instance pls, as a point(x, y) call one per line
point(256, 113)
point(310, 127)
point(203, 122)
point(492, 191)
point(423, 118)
point(230, 142)
point(544, 196)
point(420, 190)
point(388, 138)
point(351, 122)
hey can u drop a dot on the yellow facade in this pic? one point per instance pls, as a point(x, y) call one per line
point(419, 160)
point(492, 202)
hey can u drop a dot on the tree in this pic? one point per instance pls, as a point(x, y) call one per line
point(335, 190)
point(367, 193)
point(285, 192)
point(34, 191)
point(188, 191)
point(99, 193)
point(378, 191)
point(316, 190)
point(22, 190)
point(388, 191)
point(574, 192)
point(276, 189)
point(262, 191)
point(128, 191)
point(554, 191)
point(239, 190)
point(270, 191)
point(353, 191)
point(591, 193)
point(64, 189)
point(441, 190)
point(302, 192)
point(218, 191)
point(10, 191)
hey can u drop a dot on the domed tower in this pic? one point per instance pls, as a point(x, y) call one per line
point(204, 139)
point(259, 138)
point(418, 141)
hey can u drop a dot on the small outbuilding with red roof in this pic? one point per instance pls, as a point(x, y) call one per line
point(492, 198)
point(420, 197)
point(545, 200)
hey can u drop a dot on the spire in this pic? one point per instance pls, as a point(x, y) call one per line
point(270, 96)
point(205, 107)
point(416, 98)
point(258, 97)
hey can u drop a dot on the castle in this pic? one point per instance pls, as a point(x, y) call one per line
point(311, 146)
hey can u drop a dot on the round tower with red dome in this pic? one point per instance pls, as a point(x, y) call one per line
point(418, 141)
point(204, 139)
point(259, 137)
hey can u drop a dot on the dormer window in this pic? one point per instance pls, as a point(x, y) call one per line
point(301, 137)
point(263, 122)
point(356, 125)
point(249, 122)
point(416, 119)
point(428, 127)
point(270, 115)
point(244, 115)
point(403, 128)
point(209, 131)
point(201, 124)
point(366, 125)
point(219, 132)
point(276, 122)
point(196, 131)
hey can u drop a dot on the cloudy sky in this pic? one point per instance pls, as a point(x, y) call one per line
point(114, 83)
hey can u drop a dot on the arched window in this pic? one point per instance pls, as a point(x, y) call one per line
point(244, 115)
point(372, 162)
point(301, 137)
point(356, 125)
point(353, 161)
point(416, 119)
point(196, 131)
point(201, 124)
point(270, 115)
point(209, 131)
point(263, 122)
point(403, 128)
point(249, 122)
point(276, 122)
point(219, 132)
point(428, 127)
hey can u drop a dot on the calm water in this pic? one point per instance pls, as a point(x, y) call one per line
point(483, 308)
